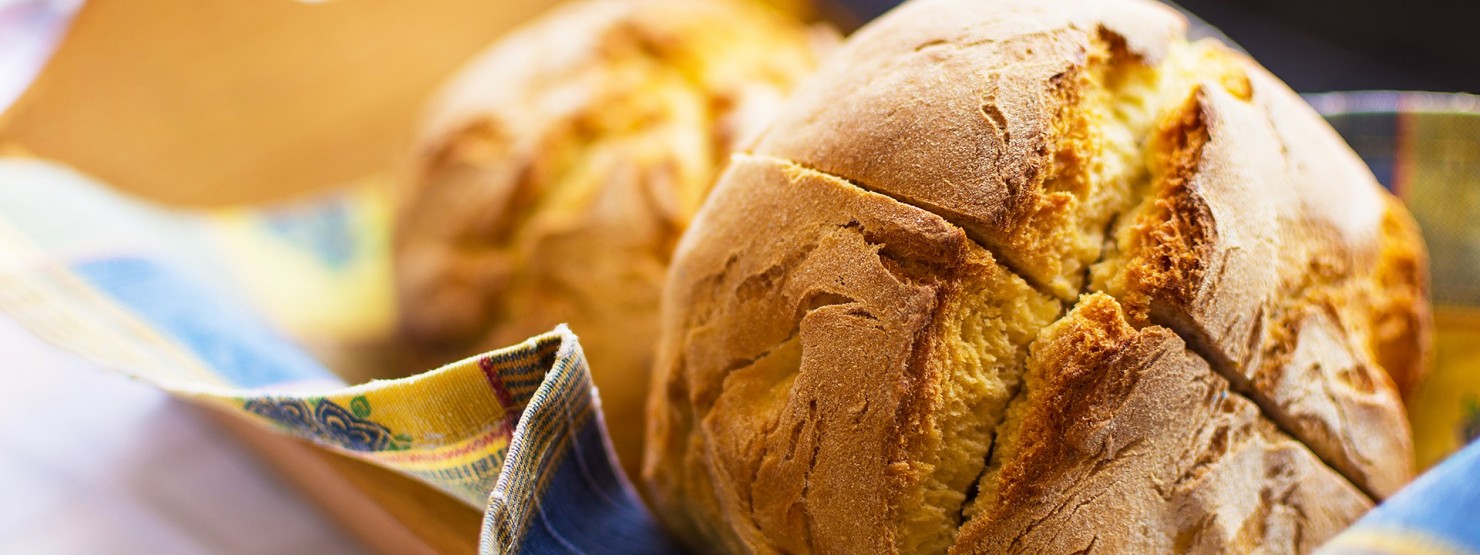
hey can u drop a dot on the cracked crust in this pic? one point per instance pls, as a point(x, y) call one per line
point(989, 117)
point(1272, 250)
point(552, 188)
point(1058, 150)
point(765, 436)
point(1127, 442)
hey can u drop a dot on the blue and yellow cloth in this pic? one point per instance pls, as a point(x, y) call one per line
point(216, 307)
point(174, 299)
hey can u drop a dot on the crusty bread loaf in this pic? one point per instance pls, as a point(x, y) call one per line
point(557, 170)
point(1036, 276)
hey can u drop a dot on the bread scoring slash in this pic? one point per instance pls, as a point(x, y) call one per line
point(1021, 276)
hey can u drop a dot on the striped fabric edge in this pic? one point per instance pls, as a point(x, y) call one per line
point(542, 439)
point(561, 489)
point(464, 460)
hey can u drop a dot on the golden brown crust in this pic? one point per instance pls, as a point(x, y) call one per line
point(803, 280)
point(1238, 401)
point(552, 188)
point(1263, 233)
point(1400, 323)
point(1129, 443)
point(965, 111)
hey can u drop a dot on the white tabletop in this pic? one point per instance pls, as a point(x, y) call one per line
point(92, 462)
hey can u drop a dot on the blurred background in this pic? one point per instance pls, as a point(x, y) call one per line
point(1343, 45)
point(217, 102)
point(1336, 45)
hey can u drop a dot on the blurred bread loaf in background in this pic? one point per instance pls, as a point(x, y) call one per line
point(555, 173)
point(1019, 276)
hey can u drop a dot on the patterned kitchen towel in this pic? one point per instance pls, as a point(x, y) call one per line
point(151, 294)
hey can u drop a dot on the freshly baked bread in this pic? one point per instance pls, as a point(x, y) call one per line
point(557, 170)
point(1036, 276)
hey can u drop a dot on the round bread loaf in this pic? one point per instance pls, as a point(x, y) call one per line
point(1037, 276)
point(557, 170)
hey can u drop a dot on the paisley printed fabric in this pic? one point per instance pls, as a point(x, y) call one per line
point(328, 423)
